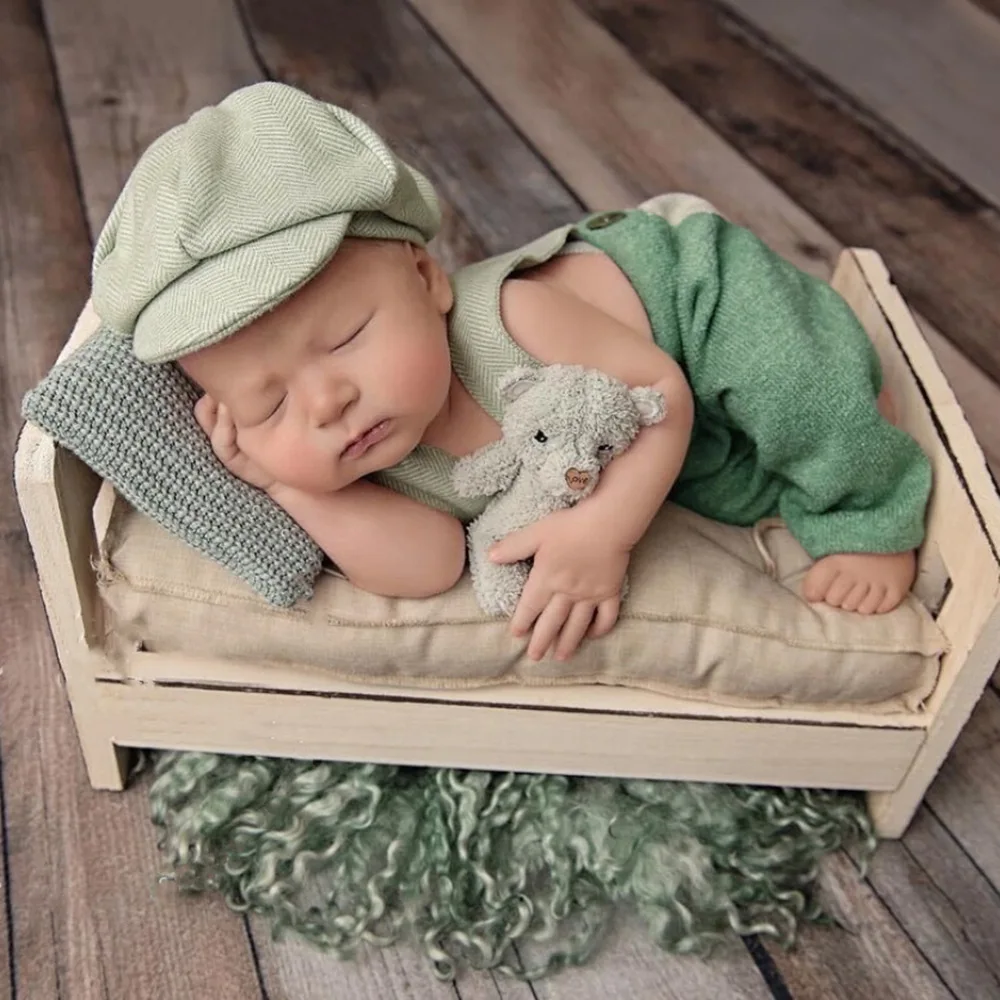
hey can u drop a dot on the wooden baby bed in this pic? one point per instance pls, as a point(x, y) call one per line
point(180, 702)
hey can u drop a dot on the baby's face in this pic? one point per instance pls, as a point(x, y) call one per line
point(344, 377)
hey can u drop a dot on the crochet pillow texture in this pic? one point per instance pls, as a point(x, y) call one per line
point(134, 424)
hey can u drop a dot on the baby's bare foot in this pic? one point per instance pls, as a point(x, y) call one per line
point(866, 582)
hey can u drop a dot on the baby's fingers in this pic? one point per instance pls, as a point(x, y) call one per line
point(205, 412)
point(605, 618)
point(224, 435)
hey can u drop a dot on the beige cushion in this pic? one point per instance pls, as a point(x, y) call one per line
point(703, 619)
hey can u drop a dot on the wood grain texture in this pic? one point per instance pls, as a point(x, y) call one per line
point(379, 60)
point(89, 920)
point(871, 957)
point(945, 904)
point(130, 71)
point(89, 917)
point(991, 7)
point(43, 247)
point(965, 797)
point(938, 240)
point(297, 971)
point(43, 254)
point(617, 136)
point(931, 68)
point(630, 965)
point(7, 981)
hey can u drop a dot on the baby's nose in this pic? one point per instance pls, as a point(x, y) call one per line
point(329, 398)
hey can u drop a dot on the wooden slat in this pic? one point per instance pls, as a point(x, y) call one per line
point(129, 71)
point(43, 255)
point(164, 668)
point(629, 964)
point(966, 795)
point(938, 241)
point(932, 69)
point(379, 60)
point(493, 738)
point(617, 136)
point(81, 865)
point(992, 7)
point(296, 970)
point(872, 958)
point(43, 245)
point(945, 904)
point(7, 985)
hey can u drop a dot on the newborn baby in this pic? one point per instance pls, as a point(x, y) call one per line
point(275, 248)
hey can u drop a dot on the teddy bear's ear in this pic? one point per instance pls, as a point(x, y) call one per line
point(518, 381)
point(650, 403)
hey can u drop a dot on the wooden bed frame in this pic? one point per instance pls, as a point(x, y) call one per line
point(181, 702)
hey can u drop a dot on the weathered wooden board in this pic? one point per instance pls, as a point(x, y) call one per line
point(496, 193)
point(932, 69)
point(938, 239)
point(966, 795)
point(129, 71)
point(945, 904)
point(296, 970)
point(616, 136)
point(88, 917)
point(872, 957)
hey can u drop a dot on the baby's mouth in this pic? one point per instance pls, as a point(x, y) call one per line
point(369, 439)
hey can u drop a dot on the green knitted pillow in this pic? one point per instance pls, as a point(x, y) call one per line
point(134, 424)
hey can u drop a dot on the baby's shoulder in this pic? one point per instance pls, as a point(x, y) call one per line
point(594, 278)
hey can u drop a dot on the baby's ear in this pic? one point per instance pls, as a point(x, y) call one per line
point(518, 381)
point(650, 403)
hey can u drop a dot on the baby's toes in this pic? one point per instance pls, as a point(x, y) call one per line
point(817, 581)
point(871, 604)
point(893, 598)
point(842, 585)
point(856, 596)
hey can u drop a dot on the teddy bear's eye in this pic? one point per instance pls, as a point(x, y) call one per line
point(541, 437)
point(604, 447)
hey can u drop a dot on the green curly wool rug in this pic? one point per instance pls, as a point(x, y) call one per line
point(467, 865)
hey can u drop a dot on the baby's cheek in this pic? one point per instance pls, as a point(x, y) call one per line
point(420, 371)
point(291, 461)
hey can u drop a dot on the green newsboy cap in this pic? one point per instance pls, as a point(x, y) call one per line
point(227, 214)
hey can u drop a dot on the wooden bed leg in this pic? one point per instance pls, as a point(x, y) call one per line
point(891, 812)
point(107, 765)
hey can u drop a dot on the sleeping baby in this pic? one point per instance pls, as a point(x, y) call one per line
point(274, 247)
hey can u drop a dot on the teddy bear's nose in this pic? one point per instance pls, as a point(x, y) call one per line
point(576, 479)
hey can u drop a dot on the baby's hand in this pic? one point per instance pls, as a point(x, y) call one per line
point(575, 584)
point(217, 423)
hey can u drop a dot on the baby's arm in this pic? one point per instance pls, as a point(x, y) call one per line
point(556, 327)
point(381, 541)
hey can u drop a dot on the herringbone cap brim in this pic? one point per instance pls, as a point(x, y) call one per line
point(227, 214)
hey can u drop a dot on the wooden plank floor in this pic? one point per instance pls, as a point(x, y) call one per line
point(523, 114)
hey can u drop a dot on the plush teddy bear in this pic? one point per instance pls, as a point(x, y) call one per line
point(562, 424)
